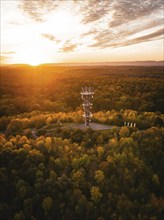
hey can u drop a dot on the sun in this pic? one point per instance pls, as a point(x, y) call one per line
point(32, 56)
point(34, 62)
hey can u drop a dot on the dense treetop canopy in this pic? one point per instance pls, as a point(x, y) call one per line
point(49, 170)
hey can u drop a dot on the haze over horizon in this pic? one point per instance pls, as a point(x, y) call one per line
point(48, 31)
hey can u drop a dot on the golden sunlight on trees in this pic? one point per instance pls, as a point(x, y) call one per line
point(95, 194)
point(99, 176)
point(111, 178)
point(100, 151)
point(51, 169)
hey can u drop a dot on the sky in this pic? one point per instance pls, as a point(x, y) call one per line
point(73, 31)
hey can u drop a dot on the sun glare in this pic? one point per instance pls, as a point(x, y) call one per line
point(67, 35)
point(32, 60)
point(32, 55)
point(63, 21)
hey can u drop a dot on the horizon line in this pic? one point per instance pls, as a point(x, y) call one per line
point(138, 62)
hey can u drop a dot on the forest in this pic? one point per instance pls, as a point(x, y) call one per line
point(52, 171)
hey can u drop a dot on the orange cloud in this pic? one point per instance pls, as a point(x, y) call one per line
point(51, 37)
point(68, 47)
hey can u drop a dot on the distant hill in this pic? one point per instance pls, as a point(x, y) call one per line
point(124, 63)
point(127, 63)
point(136, 63)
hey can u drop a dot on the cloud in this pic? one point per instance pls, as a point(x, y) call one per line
point(108, 23)
point(90, 32)
point(50, 37)
point(37, 10)
point(6, 56)
point(94, 10)
point(4, 59)
point(127, 10)
point(120, 20)
point(118, 35)
point(68, 47)
point(137, 27)
point(120, 11)
point(9, 52)
point(145, 38)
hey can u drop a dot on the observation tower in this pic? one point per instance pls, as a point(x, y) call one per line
point(87, 95)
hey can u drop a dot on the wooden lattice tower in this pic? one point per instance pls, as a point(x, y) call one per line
point(87, 95)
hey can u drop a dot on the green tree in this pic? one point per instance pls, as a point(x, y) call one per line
point(99, 176)
point(47, 204)
point(96, 195)
point(19, 216)
point(100, 151)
